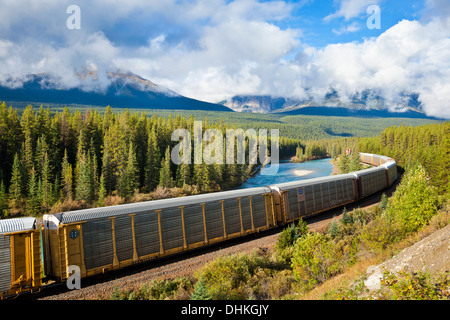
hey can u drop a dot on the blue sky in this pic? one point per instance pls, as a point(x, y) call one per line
point(319, 33)
point(215, 49)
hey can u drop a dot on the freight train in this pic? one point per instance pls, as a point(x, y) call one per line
point(99, 240)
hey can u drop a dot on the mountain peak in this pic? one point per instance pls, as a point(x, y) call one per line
point(117, 88)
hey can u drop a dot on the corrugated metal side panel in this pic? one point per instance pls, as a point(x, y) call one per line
point(124, 238)
point(317, 197)
point(376, 160)
point(214, 223)
point(246, 217)
point(193, 221)
point(326, 195)
point(392, 172)
point(309, 200)
point(5, 263)
point(232, 216)
point(367, 158)
point(171, 228)
point(293, 204)
point(373, 182)
point(350, 190)
point(147, 233)
point(332, 191)
point(98, 244)
point(259, 211)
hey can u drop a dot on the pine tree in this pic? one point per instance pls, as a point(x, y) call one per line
point(200, 292)
point(34, 199)
point(344, 163)
point(130, 178)
point(152, 166)
point(165, 176)
point(184, 177)
point(354, 163)
point(102, 191)
point(107, 167)
point(15, 187)
point(28, 123)
point(3, 201)
point(46, 182)
point(85, 186)
point(67, 177)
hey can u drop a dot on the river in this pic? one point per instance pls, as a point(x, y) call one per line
point(291, 171)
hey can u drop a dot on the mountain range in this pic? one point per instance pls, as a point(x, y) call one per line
point(363, 105)
point(128, 90)
point(123, 89)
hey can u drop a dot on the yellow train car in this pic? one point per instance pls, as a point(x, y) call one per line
point(102, 239)
point(20, 256)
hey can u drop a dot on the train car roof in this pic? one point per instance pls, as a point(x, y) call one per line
point(95, 213)
point(385, 158)
point(17, 224)
point(369, 170)
point(307, 182)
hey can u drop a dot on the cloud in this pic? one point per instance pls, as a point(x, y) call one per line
point(410, 57)
point(353, 27)
point(349, 9)
point(213, 50)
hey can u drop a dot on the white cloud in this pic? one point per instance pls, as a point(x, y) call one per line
point(410, 57)
point(228, 48)
point(349, 9)
point(353, 27)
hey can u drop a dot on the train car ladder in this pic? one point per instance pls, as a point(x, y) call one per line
point(63, 253)
point(36, 259)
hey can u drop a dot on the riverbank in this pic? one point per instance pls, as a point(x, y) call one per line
point(335, 167)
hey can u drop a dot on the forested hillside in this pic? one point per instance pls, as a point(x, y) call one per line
point(428, 145)
point(85, 159)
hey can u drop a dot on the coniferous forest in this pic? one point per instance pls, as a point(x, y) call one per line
point(53, 161)
point(71, 160)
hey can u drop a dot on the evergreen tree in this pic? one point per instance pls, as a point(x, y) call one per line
point(354, 163)
point(34, 200)
point(67, 177)
point(15, 187)
point(46, 182)
point(102, 191)
point(28, 123)
point(130, 178)
point(107, 166)
point(165, 177)
point(344, 164)
point(85, 186)
point(3, 201)
point(152, 167)
point(200, 292)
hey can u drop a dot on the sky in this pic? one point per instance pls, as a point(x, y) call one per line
point(213, 50)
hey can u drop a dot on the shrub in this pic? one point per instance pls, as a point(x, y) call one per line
point(383, 231)
point(291, 233)
point(414, 286)
point(383, 202)
point(333, 229)
point(155, 290)
point(315, 259)
point(346, 217)
point(200, 292)
point(226, 277)
point(415, 201)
